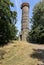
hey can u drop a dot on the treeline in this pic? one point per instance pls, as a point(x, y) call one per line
point(8, 29)
point(36, 34)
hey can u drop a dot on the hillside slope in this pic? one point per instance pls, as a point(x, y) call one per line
point(22, 53)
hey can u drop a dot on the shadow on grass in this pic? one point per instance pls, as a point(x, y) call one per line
point(39, 54)
point(3, 44)
point(35, 43)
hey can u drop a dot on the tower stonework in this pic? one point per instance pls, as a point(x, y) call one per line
point(25, 21)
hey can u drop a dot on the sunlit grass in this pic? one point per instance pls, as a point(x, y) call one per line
point(18, 53)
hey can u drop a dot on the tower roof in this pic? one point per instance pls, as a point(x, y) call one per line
point(24, 4)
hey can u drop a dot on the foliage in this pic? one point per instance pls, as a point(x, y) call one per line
point(8, 29)
point(37, 31)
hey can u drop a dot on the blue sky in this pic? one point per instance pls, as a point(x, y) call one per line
point(17, 5)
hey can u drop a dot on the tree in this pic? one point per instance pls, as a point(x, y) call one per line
point(37, 31)
point(8, 30)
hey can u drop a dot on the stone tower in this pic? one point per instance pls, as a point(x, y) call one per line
point(25, 21)
point(42, 0)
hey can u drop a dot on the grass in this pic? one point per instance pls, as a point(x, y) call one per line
point(19, 53)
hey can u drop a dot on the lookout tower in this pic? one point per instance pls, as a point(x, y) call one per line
point(42, 0)
point(25, 21)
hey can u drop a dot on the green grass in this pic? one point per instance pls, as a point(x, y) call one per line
point(18, 53)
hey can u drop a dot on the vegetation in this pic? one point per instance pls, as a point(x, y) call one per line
point(8, 29)
point(37, 32)
point(2, 53)
point(21, 53)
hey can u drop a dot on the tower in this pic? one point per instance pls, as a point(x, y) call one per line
point(25, 21)
point(42, 0)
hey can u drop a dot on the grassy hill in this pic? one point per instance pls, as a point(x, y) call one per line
point(21, 53)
